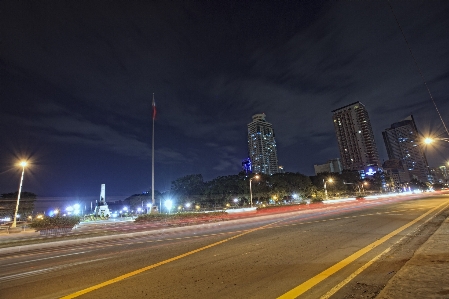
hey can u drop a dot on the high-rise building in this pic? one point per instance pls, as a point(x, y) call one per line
point(262, 146)
point(332, 166)
point(402, 143)
point(355, 138)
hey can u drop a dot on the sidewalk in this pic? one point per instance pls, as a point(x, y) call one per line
point(426, 274)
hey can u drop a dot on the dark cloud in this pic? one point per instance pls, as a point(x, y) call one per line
point(77, 80)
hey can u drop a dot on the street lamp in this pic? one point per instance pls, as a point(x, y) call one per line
point(23, 164)
point(429, 140)
point(250, 190)
point(168, 204)
point(325, 189)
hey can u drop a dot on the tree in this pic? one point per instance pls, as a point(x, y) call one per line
point(286, 184)
point(223, 189)
point(136, 200)
point(189, 187)
point(8, 203)
point(416, 184)
point(377, 181)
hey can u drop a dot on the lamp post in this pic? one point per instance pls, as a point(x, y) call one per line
point(250, 189)
point(23, 164)
point(325, 189)
point(429, 140)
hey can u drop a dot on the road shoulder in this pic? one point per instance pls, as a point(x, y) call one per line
point(426, 274)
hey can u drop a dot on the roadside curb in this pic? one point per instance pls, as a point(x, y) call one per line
point(426, 274)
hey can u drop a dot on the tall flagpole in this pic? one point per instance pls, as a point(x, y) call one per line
point(152, 157)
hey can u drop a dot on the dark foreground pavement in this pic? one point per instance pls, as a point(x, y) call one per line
point(426, 274)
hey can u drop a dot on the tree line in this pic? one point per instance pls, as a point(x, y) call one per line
point(8, 203)
point(280, 187)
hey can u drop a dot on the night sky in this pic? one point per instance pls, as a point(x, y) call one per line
point(77, 79)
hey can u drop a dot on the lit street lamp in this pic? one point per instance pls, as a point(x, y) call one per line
point(325, 189)
point(23, 164)
point(250, 190)
point(168, 204)
point(429, 140)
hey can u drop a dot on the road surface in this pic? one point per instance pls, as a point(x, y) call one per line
point(342, 251)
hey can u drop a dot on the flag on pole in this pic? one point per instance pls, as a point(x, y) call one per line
point(154, 108)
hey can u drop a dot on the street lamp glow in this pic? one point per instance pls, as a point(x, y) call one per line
point(168, 204)
point(325, 189)
point(428, 140)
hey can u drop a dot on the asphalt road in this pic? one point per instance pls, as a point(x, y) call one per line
point(343, 251)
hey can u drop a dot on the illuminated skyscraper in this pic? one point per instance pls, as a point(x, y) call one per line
point(355, 138)
point(402, 143)
point(262, 146)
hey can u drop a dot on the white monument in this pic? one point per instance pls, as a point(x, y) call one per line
point(102, 207)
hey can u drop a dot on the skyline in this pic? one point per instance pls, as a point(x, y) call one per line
point(77, 81)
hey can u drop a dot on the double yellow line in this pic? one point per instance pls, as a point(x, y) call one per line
point(307, 285)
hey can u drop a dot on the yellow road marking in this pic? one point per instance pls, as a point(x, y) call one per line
point(307, 285)
point(133, 273)
point(357, 272)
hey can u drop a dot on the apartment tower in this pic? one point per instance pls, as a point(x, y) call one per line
point(355, 137)
point(402, 143)
point(262, 146)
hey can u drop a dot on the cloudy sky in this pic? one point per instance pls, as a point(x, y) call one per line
point(77, 79)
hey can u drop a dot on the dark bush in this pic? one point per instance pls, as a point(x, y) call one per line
point(55, 222)
point(177, 216)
